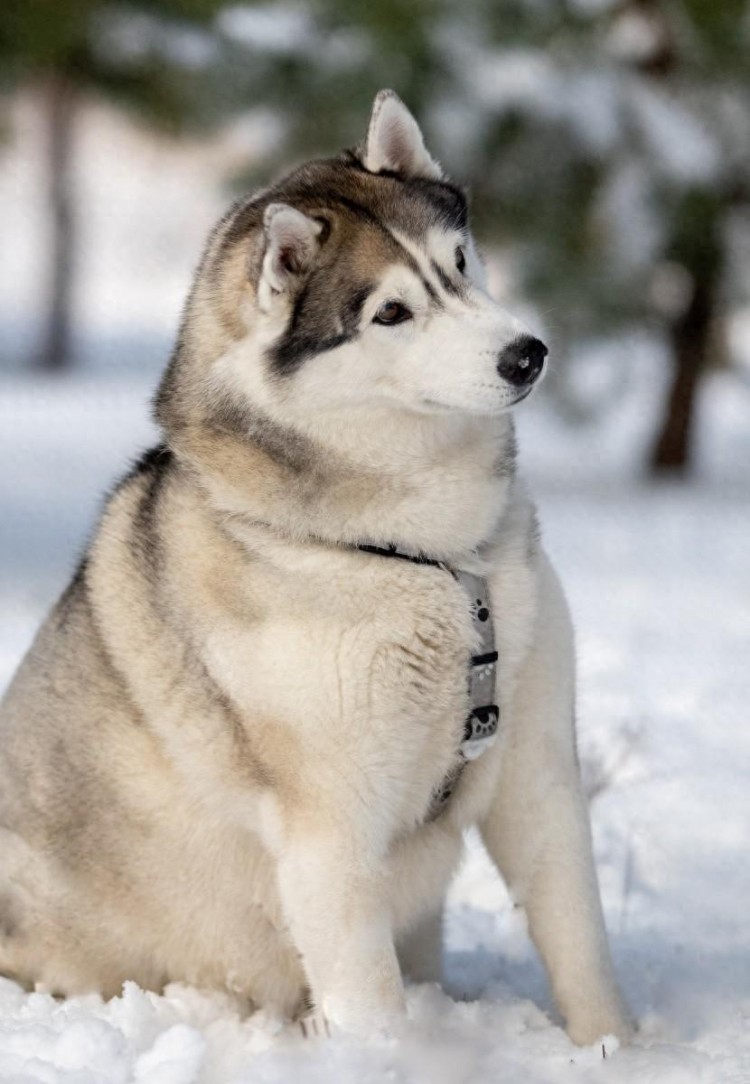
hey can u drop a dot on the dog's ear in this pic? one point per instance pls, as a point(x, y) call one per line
point(394, 141)
point(292, 243)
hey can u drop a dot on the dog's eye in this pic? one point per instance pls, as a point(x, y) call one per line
point(460, 259)
point(390, 313)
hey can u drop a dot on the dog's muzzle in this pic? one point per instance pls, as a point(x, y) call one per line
point(522, 362)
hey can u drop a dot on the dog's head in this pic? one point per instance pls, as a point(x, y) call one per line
point(353, 282)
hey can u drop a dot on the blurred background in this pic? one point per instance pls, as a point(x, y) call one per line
point(606, 145)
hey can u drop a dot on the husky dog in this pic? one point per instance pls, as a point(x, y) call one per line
point(241, 752)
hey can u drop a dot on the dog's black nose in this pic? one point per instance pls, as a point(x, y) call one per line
point(522, 361)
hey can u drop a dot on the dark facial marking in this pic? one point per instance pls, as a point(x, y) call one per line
point(357, 302)
point(294, 350)
point(363, 213)
point(432, 293)
point(326, 312)
point(356, 209)
point(445, 281)
point(372, 219)
point(310, 330)
point(448, 202)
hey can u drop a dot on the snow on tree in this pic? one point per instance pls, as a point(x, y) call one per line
point(607, 145)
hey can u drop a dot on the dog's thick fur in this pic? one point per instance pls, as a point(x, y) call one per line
point(218, 757)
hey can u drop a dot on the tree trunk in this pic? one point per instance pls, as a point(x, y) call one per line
point(59, 106)
point(691, 337)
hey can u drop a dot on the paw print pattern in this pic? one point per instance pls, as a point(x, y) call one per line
point(480, 611)
point(482, 679)
point(482, 723)
point(481, 726)
point(480, 731)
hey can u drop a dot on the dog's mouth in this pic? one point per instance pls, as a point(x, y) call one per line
point(523, 395)
point(435, 406)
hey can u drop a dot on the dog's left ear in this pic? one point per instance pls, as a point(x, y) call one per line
point(394, 141)
point(292, 243)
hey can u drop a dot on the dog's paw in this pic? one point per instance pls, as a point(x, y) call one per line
point(314, 1025)
point(364, 1017)
point(609, 1032)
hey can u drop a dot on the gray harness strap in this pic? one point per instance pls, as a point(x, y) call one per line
point(480, 728)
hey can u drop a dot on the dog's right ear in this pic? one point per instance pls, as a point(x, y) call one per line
point(292, 242)
point(394, 141)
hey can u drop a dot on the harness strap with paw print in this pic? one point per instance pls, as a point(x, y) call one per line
point(480, 728)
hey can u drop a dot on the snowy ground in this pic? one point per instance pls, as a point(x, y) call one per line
point(659, 580)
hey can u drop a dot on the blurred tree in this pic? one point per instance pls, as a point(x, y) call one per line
point(145, 55)
point(607, 144)
point(624, 162)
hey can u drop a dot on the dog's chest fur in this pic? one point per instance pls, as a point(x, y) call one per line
point(357, 665)
point(350, 672)
point(365, 663)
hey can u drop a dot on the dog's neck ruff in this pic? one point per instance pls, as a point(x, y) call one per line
point(481, 725)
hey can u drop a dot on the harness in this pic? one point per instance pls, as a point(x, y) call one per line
point(480, 728)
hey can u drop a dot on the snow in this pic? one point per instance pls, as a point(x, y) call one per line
point(659, 581)
point(678, 143)
point(636, 36)
point(277, 28)
point(627, 218)
point(592, 104)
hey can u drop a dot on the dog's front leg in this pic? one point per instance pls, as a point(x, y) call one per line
point(420, 951)
point(538, 831)
point(333, 898)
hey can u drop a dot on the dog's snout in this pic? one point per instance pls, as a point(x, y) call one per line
point(522, 361)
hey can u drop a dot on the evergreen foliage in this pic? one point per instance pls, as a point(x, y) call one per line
point(607, 144)
point(141, 54)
